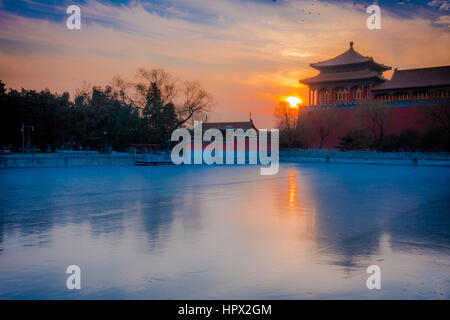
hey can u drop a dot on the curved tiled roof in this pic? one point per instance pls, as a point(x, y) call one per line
point(351, 56)
point(342, 76)
point(229, 125)
point(416, 78)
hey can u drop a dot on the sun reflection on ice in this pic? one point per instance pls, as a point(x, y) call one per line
point(292, 189)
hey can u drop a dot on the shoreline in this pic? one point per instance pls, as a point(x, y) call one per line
point(60, 160)
point(441, 159)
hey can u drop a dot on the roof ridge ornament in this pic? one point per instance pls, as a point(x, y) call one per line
point(351, 45)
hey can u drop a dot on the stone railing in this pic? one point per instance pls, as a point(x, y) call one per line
point(368, 157)
point(64, 159)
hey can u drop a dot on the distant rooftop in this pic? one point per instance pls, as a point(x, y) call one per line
point(416, 78)
point(229, 125)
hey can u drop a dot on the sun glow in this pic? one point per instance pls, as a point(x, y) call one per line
point(293, 101)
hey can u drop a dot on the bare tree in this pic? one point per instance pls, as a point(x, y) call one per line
point(122, 87)
point(323, 122)
point(165, 82)
point(375, 116)
point(196, 103)
point(290, 133)
point(440, 117)
point(287, 116)
point(190, 99)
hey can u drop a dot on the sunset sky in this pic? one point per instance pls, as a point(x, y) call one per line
point(248, 54)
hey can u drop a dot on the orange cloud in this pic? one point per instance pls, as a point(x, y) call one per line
point(247, 55)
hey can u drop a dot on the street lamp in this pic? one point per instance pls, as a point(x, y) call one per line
point(105, 133)
point(24, 127)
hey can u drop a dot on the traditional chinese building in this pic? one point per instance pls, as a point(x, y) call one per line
point(415, 86)
point(344, 81)
point(350, 77)
point(245, 126)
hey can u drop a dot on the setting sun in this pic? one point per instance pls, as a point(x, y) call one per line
point(293, 101)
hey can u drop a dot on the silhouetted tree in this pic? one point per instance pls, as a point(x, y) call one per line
point(189, 99)
point(101, 118)
point(291, 133)
point(95, 119)
point(439, 120)
point(161, 118)
point(390, 143)
point(375, 116)
point(354, 140)
point(322, 122)
point(409, 140)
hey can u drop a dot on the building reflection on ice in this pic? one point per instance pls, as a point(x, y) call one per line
point(209, 232)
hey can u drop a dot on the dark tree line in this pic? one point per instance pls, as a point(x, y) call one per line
point(98, 118)
point(374, 133)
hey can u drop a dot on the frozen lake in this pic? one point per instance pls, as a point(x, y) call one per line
point(194, 232)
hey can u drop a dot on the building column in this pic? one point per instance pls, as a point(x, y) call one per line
point(348, 94)
point(309, 96)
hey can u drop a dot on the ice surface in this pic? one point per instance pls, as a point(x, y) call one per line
point(192, 232)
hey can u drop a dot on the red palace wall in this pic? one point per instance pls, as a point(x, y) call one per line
point(400, 118)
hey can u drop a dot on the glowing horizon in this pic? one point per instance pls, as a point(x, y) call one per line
point(247, 59)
